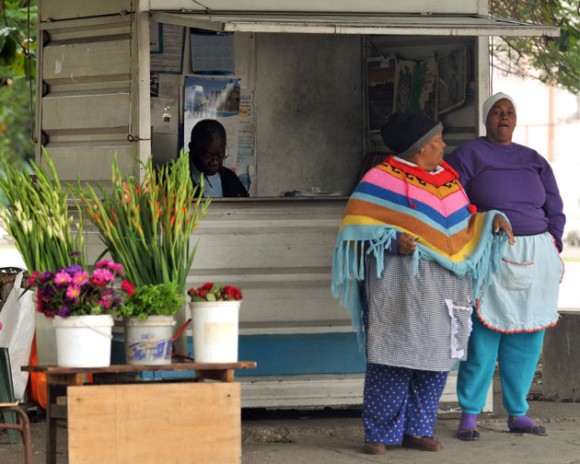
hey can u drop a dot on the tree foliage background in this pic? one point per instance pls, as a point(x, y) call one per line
point(17, 73)
point(555, 61)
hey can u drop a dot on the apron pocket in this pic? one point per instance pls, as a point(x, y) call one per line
point(516, 276)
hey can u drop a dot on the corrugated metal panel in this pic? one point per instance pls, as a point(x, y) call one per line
point(323, 6)
point(385, 24)
point(51, 10)
point(88, 112)
point(91, 163)
point(84, 62)
point(87, 98)
point(279, 252)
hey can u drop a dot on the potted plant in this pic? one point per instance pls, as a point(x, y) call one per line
point(215, 314)
point(37, 215)
point(81, 304)
point(148, 314)
point(147, 225)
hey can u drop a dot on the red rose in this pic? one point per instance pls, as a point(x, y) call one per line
point(232, 293)
point(128, 287)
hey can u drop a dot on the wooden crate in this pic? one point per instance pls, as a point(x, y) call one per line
point(153, 423)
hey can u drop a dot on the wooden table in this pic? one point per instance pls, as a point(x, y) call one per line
point(130, 406)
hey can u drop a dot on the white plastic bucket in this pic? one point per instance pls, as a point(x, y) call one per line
point(45, 340)
point(84, 341)
point(149, 341)
point(215, 331)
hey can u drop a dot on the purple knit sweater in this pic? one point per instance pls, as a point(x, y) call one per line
point(513, 179)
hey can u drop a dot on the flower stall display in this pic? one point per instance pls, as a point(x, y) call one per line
point(81, 304)
point(215, 314)
point(148, 320)
point(74, 291)
point(146, 224)
point(38, 216)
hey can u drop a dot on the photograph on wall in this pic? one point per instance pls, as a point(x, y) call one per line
point(213, 98)
point(416, 87)
point(452, 71)
point(381, 90)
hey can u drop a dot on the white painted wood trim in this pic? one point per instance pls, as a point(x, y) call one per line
point(483, 71)
point(327, 390)
point(385, 24)
point(141, 85)
point(323, 6)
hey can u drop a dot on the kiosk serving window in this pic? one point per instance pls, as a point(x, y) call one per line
point(310, 105)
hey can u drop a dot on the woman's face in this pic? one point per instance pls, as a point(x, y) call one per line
point(431, 154)
point(501, 122)
point(211, 157)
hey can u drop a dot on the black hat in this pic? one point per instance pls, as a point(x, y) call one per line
point(406, 133)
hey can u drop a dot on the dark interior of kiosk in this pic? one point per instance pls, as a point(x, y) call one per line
point(303, 111)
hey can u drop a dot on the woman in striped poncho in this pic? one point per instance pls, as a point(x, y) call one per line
point(415, 247)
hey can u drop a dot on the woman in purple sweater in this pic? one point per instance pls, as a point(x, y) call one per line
point(512, 315)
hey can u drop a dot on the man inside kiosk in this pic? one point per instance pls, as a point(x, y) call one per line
point(207, 152)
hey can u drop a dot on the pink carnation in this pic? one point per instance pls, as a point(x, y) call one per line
point(80, 278)
point(73, 292)
point(102, 277)
point(62, 278)
point(104, 263)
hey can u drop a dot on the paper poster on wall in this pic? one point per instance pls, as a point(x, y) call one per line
point(452, 80)
point(212, 53)
point(246, 165)
point(171, 45)
point(155, 37)
point(213, 98)
point(381, 90)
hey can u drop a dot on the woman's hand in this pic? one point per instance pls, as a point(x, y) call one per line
point(407, 244)
point(500, 223)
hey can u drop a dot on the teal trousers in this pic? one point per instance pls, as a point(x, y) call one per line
point(517, 355)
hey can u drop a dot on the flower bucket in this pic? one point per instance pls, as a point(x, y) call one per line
point(215, 331)
point(45, 336)
point(45, 340)
point(149, 341)
point(83, 341)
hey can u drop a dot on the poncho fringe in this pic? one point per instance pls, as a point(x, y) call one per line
point(365, 236)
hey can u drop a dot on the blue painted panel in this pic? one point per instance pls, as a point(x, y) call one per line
point(280, 355)
point(301, 354)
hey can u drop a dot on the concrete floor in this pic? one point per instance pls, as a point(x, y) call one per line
point(336, 436)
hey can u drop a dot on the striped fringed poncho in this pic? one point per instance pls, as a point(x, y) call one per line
point(396, 197)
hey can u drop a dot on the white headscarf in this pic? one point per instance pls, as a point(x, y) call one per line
point(488, 104)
